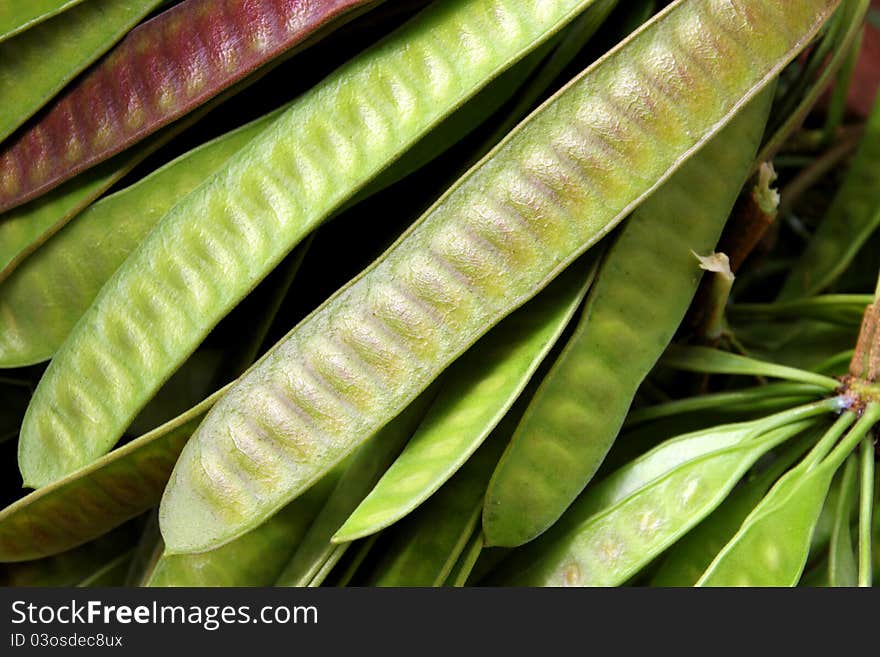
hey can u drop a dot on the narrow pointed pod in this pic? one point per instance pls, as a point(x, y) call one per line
point(689, 557)
point(851, 219)
point(552, 189)
point(659, 462)
point(611, 546)
point(316, 551)
point(48, 292)
point(160, 71)
point(477, 391)
point(17, 17)
point(104, 494)
point(641, 294)
point(425, 547)
point(254, 559)
point(214, 246)
point(29, 78)
point(771, 547)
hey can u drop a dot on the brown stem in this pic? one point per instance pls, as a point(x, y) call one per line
point(752, 216)
point(865, 363)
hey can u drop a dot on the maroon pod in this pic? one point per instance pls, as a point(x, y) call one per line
point(160, 71)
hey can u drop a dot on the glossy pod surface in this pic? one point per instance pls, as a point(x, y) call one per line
point(159, 72)
point(214, 246)
point(477, 391)
point(614, 544)
point(688, 558)
point(44, 297)
point(642, 291)
point(551, 190)
point(771, 546)
point(637, 476)
point(97, 24)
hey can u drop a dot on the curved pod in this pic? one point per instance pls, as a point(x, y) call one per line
point(642, 291)
point(159, 72)
point(558, 184)
point(216, 244)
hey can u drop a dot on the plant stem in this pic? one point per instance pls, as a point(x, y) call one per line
point(865, 362)
point(792, 192)
point(866, 511)
point(753, 215)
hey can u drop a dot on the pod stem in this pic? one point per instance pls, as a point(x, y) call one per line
point(866, 512)
point(865, 363)
point(753, 215)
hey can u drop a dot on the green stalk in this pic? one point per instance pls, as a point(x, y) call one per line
point(866, 512)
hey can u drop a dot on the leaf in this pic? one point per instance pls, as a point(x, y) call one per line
point(714, 361)
point(853, 216)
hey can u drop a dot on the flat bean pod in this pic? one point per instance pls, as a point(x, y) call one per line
point(18, 17)
point(771, 546)
point(25, 229)
point(93, 500)
point(316, 551)
point(214, 246)
point(612, 546)
point(28, 78)
point(641, 294)
point(477, 391)
point(44, 297)
point(160, 71)
point(552, 189)
point(689, 557)
point(853, 216)
point(254, 559)
point(426, 546)
point(660, 462)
